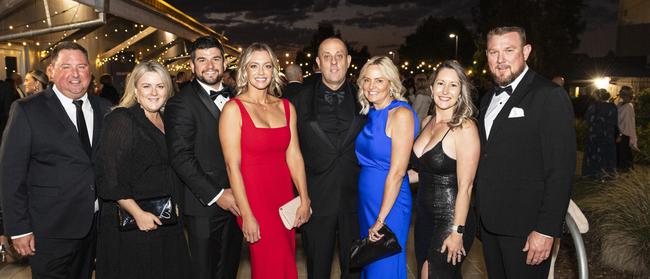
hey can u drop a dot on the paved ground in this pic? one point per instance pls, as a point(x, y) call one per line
point(473, 268)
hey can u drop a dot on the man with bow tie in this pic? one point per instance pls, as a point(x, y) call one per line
point(192, 132)
point(528, 156)
point(328, 123)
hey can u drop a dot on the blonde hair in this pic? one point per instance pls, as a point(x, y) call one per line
point(129, 98)
point(389, 71)
point(242, 75)
point(465, 108)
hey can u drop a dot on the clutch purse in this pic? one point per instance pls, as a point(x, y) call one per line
point(162, 207)
point(364, 251)
point(288, 212)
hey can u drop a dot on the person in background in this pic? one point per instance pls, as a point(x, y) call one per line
point(383, 148)
point(421, 99)
point(132, 165)
point(626, 140)
point(182, 79)
point(230, 78)
point(107, 90)
point(599, 159)
point(294, 78)
point(35, 81)
point(446, 156)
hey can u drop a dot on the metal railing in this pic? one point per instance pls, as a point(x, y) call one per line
point(581, 252)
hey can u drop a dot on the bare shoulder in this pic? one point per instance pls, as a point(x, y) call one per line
point(230, 109)
point(402, 113)
point(467, 131)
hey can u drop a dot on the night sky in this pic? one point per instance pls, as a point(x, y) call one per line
point(379, 24)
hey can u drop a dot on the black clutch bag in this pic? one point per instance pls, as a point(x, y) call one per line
point(364, 251)
point(162, 207)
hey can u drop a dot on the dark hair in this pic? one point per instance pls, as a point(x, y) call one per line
point(626, 93)
point(205, 43)
point(106, 79)
point(601, 94)
point(66, 45)
point(507, 29)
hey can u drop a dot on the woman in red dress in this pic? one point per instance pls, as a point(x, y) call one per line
point(260, 144)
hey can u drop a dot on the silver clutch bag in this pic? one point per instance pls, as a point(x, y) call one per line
point(288, 212)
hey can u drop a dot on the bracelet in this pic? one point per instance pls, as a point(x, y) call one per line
point(380, 221)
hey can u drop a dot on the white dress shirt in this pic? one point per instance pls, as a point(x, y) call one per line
point(220, 101)
point(497, 103)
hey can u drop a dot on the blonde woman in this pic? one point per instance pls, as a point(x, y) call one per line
point(260, 146)
point(446, 156)
point(383, 148)
point(133, 166)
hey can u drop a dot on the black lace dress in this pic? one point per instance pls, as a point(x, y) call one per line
point(435, 201)
point(133, 163)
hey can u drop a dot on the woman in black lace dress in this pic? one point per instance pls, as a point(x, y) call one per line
point(446, 157)
point(599, 159)
point(133, 165)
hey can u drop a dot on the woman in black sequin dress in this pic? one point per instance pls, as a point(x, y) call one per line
point(446, 157)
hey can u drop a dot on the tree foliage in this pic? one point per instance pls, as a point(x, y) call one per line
point(552, 28)
point(431, 42)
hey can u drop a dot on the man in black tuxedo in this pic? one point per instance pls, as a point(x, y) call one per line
point(328, 124)
point(527, 164)
point(192, 132)
point(46, 169)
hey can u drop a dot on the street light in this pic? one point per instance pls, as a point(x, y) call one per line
point(454, 36)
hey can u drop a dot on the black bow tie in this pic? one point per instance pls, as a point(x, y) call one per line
point(334, 97)
point(225, 92)
point(498, 90)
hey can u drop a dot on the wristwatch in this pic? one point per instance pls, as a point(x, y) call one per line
point(458, 228)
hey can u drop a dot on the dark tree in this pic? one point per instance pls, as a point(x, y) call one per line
point(431, 42)
point(552, 28)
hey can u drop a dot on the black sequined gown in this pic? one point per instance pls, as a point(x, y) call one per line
point(436, 197)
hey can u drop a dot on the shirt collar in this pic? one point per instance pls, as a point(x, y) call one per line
point(515, 82)
point(207, 88)
point(64, 99)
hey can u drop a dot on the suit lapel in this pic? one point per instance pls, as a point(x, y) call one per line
point(98, 119)
point(59, 113)
point(205, 99)
point(520, 92)
point(310, 116)
point(357, 122)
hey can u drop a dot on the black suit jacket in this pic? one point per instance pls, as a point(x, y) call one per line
point(527, 165)
point(291, 90)
point(332, 171)
point(192, 133)
point(48, 182)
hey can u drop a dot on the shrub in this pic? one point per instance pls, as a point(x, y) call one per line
point(621, 221)
point(643, 142)
point(642, 108)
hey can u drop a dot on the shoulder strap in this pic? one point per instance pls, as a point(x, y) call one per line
point(287, 111)
point(443, 137)
point(242, 110)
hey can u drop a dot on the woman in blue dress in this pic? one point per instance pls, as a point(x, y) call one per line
point(383, 148)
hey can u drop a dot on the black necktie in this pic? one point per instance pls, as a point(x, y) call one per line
point(225, 92)
point(334, 97)
point(81, 126)
point(498, 90)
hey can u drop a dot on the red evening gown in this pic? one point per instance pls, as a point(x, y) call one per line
point(268, 186)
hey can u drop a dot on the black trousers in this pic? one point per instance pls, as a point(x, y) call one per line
point(215, 244)
point(624, 157)
point(319, 237)
point(64, 258)
point(504, 258)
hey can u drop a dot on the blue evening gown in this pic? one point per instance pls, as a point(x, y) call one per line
point(373, 150)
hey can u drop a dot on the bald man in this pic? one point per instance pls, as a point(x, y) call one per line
point(294, 76)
